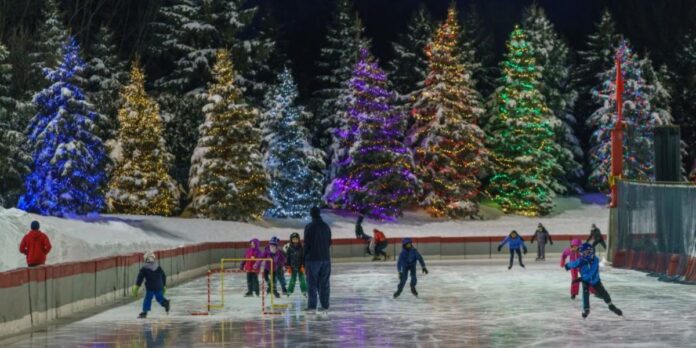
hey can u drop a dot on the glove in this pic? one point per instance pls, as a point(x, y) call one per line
point(164, 291)
point(425, 270)
point(134, 292)
point(525, 251)
point(566, 267)
point(499, 247)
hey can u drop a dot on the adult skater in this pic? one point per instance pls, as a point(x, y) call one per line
point(542, 236)
point(514, 242)
point(407, 265)
point(588, 264)
point(317, 239)
point(596, 237)
point(35, 245)
point(155, 283)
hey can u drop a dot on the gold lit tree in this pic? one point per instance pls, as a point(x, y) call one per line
point(140, 182)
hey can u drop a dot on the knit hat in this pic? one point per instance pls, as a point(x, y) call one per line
point(575, 242)
point(274, 241)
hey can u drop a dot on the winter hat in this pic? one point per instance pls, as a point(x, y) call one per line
point(406, 241)
point(586, 251)
point(35, 225)
point(274, 241)
point(149, 256)
point(315, 212)
point(575, 242)
point(255, 242)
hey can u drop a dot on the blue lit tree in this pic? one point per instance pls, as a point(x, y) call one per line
point(293, 165)
point(67, 174)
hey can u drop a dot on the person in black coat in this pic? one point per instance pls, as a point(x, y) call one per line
point(295, 261)
point(596, 237)
point(317, 252)
point(155, 284)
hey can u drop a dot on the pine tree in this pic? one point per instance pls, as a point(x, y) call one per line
point(409, 67)
point(684, 96)
point(638, 116)
point(553, 57)
point(446, 139)
point(14, 159)
point(522, 136)
point(51, 36)
point(336, 60)
point(294, 167)
point(476, 50)
point(376, 177)
point(67, 175)
point(227, 179)
point(140, 182)
point(104, 77)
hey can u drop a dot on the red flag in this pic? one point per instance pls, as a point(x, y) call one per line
point(619, 91)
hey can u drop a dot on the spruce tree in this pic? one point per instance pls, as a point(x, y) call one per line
point(521, 136)
point(294, 167)
point(476, 50)
point(684, 96)
point(409, 67)
point(553, 58)
point(140, 183)
point(227, 179)
point(51, 36)
point(67, 157)
point(447, 142)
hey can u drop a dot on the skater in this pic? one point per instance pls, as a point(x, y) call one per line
point(35, 245)
point(514, 241)
point(360, 234)
point(155, 284)
point(295, 258)
point(596, 237)
point(317, 250)
point(572, 253)
point(541, 235)
point(407, 264)
point(380, 242)
point(252, 277)
point(588, 264)
point(272, 251)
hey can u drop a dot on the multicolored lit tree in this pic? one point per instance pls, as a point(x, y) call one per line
point(376, 177)
point(227, 180)
point(140, 182)
point(447, 141)
point(68, 158)
point(521, 136)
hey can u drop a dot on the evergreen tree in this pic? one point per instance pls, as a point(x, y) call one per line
point(447, 141)
point(476, 50)
point(140, 182)
point(67, 173)
point(14, 159)
point(638, 115)
point(294, 166)
point(684, 107)
point(522, 138)
point(553, 58)
point(51, 36)
point(336, 60)
point(409, 67)
point(376, 177)
point(227, 179)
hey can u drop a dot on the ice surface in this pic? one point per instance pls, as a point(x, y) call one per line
point(461, 304)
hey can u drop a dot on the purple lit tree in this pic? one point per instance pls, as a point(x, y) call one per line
point(376, 176)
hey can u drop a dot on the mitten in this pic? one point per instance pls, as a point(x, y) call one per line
point(164, 291)
point(134, 292)
point(425, 270)
point(499, 247)
point(525, 251)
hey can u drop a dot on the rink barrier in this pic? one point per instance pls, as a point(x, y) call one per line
point(679, 267)
point(32, 297)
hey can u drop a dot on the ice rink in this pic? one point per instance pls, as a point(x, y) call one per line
point(461, 304)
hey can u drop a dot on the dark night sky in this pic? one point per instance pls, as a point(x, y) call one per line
point(654, 25)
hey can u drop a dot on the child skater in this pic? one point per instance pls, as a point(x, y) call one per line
point(273, 252)
point(253, 252)
point(588, 264)
point(295, 257)
point(514, 241)
point(407, 264)
point(155, 284)
point(572, 253)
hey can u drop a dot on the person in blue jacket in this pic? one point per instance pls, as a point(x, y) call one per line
point(588, 264)
point(514, 242)
point(407, 264)
point(155, 284)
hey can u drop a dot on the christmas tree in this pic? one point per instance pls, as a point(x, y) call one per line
point(521, 139)
point(67, 157)
point(376, 177)
point(140, 182)
point(227, 180)
point(447, 141)
point(409, 67)
point(553, 58)
point(294, 166)
point(638, 115)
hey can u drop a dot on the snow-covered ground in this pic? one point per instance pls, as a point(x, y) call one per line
point(461, 304)
point(87, 238)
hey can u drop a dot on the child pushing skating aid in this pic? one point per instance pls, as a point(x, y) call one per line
point(253, 252)
point(407, 264)
point(295, 258)
point(514, 242)
point(588, 264)
point(272, 251)
point(155, 284)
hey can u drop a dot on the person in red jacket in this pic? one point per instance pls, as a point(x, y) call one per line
point(380, 244)
point(35, 245)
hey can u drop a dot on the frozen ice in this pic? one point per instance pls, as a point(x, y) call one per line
point(461, 304)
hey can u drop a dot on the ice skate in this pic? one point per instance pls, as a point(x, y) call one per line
point(572, 297)
point(397, 293)
point(142, 315)
point(615, 310)
point(276, 294)
point(248, 294)
point(166, 306)
point(510, 267)
point(522, 265)
point(413, 291)
point(585, 313)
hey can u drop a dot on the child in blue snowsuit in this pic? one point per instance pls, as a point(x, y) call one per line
point(407, 264)
point(514, 242)
point(155, 284)
point(588, 264)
